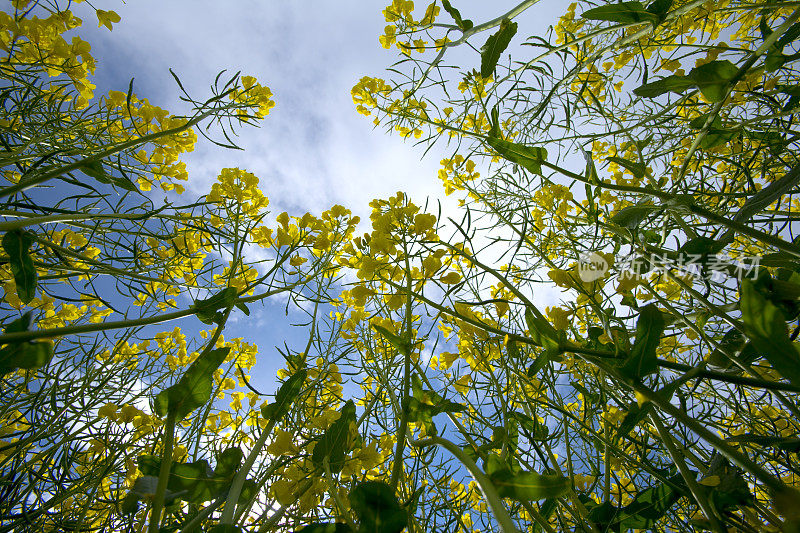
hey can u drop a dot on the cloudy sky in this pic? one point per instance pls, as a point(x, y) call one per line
point(313, 150)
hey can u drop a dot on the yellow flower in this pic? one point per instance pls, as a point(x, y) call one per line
point(282, 444)
point(297, 260)
point(462, 384)
point(106, 18)
point(451, 278)
point(109, 411)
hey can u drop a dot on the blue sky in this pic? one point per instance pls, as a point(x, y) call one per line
point(313, 150)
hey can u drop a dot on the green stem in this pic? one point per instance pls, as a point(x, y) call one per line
point(163, 474)
point(677, 458)
point(22, 336)
point(483, 481)
point(397, 466)
point(727, 377)
point(334, 492)
point(241, 475)
point(201, 516)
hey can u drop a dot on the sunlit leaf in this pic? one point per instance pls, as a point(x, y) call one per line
point(95, 170)
point(765, 326)
point(675, 84)
point(285, 396)
point(194, 388)
point(642, 358)
point(23, 355)
point(543, 332)
point(377, 508)
point(399, 344)
point(335, 442)
point(464, 24)
point(631, 216)
point(206, 310)
point(16, 244)
point(495, 46)
point(637, 169)
point(528, 486)
point(713, 78)
point(528, 157)
point(621, 13)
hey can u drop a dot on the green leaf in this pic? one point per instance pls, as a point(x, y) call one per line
point(589, 397)
point(399, 344)
point(193, 389)
point(538, 364)
point(377, 508)
point(513, 350)
point(196, 481)
point(495, 45)
point(765, 325)
point(206, 310)
point(712, 78)
point(636, 414)
point(16, 244)
point(95, 170)
point(431, 400)
point(334, 443)
point(637, 169)
point(228, 462)
point(411, 504)
point(149, 465)
point(630, 217)
point(463, 24)
point(649, 506)
point(642, 358)
point(675, 84)
point(782, 443)
point(527, 486)
point(528, 157)
point(286, 395)
point(130, 503)
point(543, 332)
point(546, 510)
point(717, 133)
point(775, 57)
point(249, 489)
point(420, 413)
point(771, 138)
point(447, 406)
point(24, 355)
point(536, 431)
point(732, 490)
point(660, 8)
point(702, 246)
point(602, 515)
point(621, 13)
point(243, 308)
point(734, 343)
point(145, 486)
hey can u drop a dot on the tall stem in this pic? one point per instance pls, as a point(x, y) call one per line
point(677, 458)
point(163, 474)
point(241, 475)
point(397, 466)
point(483, 481)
